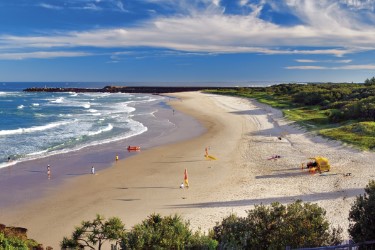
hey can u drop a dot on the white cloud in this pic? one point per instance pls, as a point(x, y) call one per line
point(49, 6)
point(120, 5)
point(357, 67)
point(346, 67)
point(216, 2)
point(306, 61)
point(306, 67)
point(41, 55)
point(91, 6)
point(324, 61)
point(326, 28)
point(342, 61)
point(360, 4)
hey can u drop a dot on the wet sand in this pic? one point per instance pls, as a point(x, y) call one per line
point(242, 134)
point(28, 180)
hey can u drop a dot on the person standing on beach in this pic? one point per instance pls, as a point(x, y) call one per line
point(116, 157)
point(92, 170)
point(49, 172)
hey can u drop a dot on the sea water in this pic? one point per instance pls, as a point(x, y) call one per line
point(39, 124)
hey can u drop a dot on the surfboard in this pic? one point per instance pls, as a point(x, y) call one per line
point(210, 157)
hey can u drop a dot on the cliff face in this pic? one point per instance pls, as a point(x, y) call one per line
point(116, 89)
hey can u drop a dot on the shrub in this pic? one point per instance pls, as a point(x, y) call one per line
point(12, 243)
point(362, 215)
point(96, 232)
point(170, 232)
point(277, 226)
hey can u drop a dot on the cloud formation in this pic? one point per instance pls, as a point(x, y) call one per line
point(346, 67)
point(326, 27)
point(91, 5)
point(41, 55)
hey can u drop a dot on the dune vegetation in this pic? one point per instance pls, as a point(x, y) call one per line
point(339, 111)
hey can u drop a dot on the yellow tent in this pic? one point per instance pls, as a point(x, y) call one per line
point(322, 164)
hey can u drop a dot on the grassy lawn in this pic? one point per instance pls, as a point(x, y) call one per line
point(359, 134)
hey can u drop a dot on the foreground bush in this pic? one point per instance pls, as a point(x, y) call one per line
point(265, 227)
point(277, 226)
point(169, 232)
point(12, 243)
point(94, 233)
point(16, 238)
point(362, 215)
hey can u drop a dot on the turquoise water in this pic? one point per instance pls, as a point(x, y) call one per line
point(35, 125)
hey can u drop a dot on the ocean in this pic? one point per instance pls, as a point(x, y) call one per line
point(37, 125)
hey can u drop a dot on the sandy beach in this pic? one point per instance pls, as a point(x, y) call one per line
point(242, 134)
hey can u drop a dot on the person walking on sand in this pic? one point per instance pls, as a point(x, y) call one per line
point(92, 170)
point(49, 172)
point(116, 157)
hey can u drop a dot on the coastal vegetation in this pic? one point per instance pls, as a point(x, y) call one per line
point(339, 111)
point(362, 215)
point(277, 226)
point(96, 232)
point(265, 227)
point(15, 238)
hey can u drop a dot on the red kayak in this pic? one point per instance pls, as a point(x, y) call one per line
point(134, 148)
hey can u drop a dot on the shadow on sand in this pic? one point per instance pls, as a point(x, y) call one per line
point(127, 199)
point(147, 187)
point(351, 192)
point(281, 175)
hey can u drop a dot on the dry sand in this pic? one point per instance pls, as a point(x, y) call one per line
point(242, 134)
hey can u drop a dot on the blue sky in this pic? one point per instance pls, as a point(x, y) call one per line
point(230, 41)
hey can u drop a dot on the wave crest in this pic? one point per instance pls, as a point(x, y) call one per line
point(33, 129)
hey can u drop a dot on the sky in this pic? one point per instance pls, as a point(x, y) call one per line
point(187, 41)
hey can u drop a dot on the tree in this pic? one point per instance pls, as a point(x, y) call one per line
point(276, 226)
point(169, 232)
point(369, 82)
point(95, 233)
point(362, 215)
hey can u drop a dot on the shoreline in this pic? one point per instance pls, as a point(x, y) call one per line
point(242, 134)
point(27, 180)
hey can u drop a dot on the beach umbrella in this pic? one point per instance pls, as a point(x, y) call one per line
point(186, 181)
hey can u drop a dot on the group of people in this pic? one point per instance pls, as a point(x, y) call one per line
point(49, 171)
point(49, 168)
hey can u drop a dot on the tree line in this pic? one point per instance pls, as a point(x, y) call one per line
point(342, 101)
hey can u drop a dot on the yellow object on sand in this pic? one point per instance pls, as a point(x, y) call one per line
point(321, 164)
point(186, 179)
point(210, 157)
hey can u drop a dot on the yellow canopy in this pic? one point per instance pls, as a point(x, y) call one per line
point(322, 162)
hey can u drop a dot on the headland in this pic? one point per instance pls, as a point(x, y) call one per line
point(129, 89)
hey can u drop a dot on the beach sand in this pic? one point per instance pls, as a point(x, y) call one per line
point(242, 134)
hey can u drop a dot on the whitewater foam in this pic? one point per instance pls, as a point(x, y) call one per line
point(33, 129)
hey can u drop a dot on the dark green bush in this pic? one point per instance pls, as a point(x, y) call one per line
point(362, 215)
point(12, 243)
point(169, 232)
point(276, 226)
point(94, 233)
